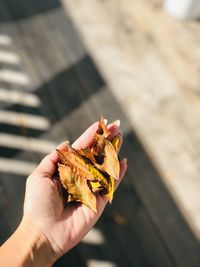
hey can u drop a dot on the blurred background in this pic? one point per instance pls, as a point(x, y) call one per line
point(63, 64)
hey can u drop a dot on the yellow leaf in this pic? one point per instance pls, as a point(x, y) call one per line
point(110, 189)
point(77, 187)
point(87, 153)
point(111, 163)
point(70, 157)
point(90, 171)
point(95, 186)
point(116, 142)
point(70, 198)
point(102, 129)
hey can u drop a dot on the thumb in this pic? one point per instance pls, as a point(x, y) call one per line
point(47, 166)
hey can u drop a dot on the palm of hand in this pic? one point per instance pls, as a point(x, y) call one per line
point(63, 226)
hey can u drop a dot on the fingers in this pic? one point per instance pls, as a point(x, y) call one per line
point(123, 168)
point(114, 129)
point(86, 138)
point(48, 165)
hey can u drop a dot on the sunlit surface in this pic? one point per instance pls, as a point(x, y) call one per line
point(94, 236)
point(5, 40)
point(16, 97)
point(9, 57)
point(16, 166)
point(98, 263)
point(24, 120)
point(26, 143)
point(12, 76)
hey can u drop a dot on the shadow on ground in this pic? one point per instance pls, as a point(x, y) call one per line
point(21, 9)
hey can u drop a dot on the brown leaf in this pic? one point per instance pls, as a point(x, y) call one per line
point(99, 139)
point(109, 191)
point(102, 129)
point(87, 153)
point(116, 142)
point(70, 198)
point(111, 163)
point(71, 158)
point(98, 146)
point(77, 187)
point(95, 186)
point(90, 171)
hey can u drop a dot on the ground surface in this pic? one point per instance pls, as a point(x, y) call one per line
point(50, 91)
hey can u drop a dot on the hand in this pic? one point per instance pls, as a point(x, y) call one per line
point(63, 227)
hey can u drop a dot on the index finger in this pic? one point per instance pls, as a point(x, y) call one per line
point(87, 138)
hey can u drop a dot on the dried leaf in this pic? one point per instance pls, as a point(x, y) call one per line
point(98, 146)
point(99, 139)
point(70, 198)
point(71, 158)
point(95, 186)
point(102, 129)
point(87, 153)
point(90, 171)
point(119, 219)
point(76, 185)
point(116, 142)
point(111, 163)
point(109, 191)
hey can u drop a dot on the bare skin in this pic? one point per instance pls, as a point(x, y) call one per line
point(49, 229)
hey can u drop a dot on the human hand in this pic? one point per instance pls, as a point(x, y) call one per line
point(62, 226)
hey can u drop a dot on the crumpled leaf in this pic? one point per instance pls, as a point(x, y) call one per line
point(116, 142)
point(88, 172)
point(102, 129)
point(109, 191)
point(71, 158)
point(99, 139)
point(87, 153)
point(110, 163)
point(75, 186)
point(95, 186)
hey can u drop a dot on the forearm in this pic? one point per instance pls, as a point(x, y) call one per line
point(27, 247)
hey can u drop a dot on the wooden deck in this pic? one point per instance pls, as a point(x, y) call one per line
point(51, 90)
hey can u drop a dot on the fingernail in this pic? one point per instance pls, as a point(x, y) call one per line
point(66, 142)
point(117, 123)
point(125, 160)
point(105, 121)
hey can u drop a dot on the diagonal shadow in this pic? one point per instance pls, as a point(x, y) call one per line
point(20, 9)
point(64, 92)
point(69, 89)
point(59, 97)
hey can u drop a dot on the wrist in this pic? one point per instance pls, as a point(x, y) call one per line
point(41, 252)
point(27, 247)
